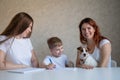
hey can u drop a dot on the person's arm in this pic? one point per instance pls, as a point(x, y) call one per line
point(105, 55)
point(49, 66)
point(78, 60)
point(34, 59)
point(4, 65)
point(68, 63)
point(47, 63)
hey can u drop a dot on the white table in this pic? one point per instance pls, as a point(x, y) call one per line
point(65, 74)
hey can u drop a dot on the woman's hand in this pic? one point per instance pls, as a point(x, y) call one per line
point(86, 66)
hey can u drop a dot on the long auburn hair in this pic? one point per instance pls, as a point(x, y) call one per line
point(97, 35)
point(19, 23)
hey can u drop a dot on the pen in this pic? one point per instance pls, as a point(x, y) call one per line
point(50, 60)
point(52, 63)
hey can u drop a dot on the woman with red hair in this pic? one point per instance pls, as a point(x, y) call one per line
point(98, 46)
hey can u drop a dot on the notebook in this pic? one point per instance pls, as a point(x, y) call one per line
point(26, 70)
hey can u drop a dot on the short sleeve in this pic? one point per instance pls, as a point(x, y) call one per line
point(103, 42)
point(5, 45)
point(46, 61)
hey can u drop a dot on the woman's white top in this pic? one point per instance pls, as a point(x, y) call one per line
point(96, 52)
point(60, 62)
point(18, 51)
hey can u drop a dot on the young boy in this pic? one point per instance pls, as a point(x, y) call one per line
point(57, 59)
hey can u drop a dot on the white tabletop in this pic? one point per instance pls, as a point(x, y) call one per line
point(65, 74)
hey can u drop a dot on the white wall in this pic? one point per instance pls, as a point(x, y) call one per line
point(61, 18)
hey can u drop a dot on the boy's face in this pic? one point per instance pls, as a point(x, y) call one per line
point(57, 51)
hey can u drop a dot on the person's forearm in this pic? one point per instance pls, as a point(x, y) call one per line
point(9, 65)
point(34, 60)
point(102, 65)
point(42, 65)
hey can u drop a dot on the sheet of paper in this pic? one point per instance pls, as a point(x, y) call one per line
point(26, 70)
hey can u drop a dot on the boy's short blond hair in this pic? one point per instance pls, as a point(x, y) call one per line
point(54, 42)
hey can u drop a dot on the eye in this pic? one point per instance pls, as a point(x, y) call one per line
point(83, 29)
point(81, 50)
point(89, 28)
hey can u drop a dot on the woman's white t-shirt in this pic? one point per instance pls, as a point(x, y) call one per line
point(18, 51)
point(96, 53)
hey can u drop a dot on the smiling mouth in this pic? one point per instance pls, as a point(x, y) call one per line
point(86, 35)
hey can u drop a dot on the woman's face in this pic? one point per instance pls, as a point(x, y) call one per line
point(87, 31)
point(27, 31)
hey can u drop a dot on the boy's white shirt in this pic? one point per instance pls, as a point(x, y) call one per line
point(58, 61)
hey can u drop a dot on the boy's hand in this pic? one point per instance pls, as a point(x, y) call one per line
point(50, 66)
point(70, 64)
